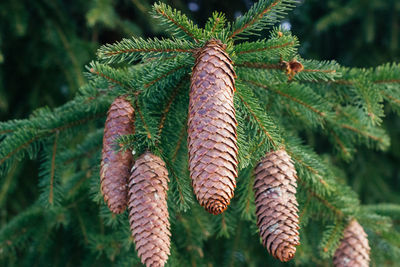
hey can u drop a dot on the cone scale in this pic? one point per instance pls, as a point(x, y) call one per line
point(276, 204)
point(354, 248)
point(115, 166)
point(148, 211)
point(212, 138)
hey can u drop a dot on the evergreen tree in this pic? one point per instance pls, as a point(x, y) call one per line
point(278, 97)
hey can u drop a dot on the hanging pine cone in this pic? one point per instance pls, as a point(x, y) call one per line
point(148, 211)
point(115, 166)
point(353, 249)
point(276, 204)
point(212, 128)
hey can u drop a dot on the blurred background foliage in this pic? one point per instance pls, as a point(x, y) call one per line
point(45, 45)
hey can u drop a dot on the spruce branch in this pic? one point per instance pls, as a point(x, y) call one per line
point(260, 46)
point(167, 107)
point(179, 143)
point(215, 24)
point(331, 238)
point(257, 133)
point(52, 169)
point(142, 119)
point(172, 131)
point(310, 168)
point(326, 116)
point(119, 77)
point(337, 212)
point(177, 23)
point(17, 233)
point(258, 120)
point(130, 50)
point(312, 70)
point(262, 14)
point(301, 96)
point(245, 194)
point(280, 45)
point(158, 78)
point(28, 138)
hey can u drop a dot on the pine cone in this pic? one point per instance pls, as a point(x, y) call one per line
point(115, 166)
point(353, 249)
point(212, 128)
point(276, 204)
point(148, 211)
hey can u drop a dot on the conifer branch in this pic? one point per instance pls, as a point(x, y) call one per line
point(331, 237)
point(305, 207)
point(92, 70)
point(260, 65)
point(309, 168)
point(340, 143)
point(278, 46)
point(79, 183)
point(322, 114)
point(129, 50)
point(162, 13)
point(260, 15)
point(214, 27)
point(82, 225)
point(163, 76)
point(310, 71)
point(326, 118)
point(256, 18)
point(316, 70)
point(251, 112)
point(391, 97)
point(388, 81)
point(215, 24)
point(5, 132)
point(366, 134)
point(168, 106)
point(255, 149)
point(146, 127)
point(42, 133)
point(7, 183)
point(179, 143)
point(178, 24)
point(19, 148)
point(52, 168)
point(325, 202)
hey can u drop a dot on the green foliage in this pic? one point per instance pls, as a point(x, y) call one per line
point(129, 50)
point(275, 107)
point(177, 23)
point(262, 14)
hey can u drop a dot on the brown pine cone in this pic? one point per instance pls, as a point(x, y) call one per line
point(115, 166)
point(276, 204)
point(212, 128)
point(353, 249)
point(148, 211)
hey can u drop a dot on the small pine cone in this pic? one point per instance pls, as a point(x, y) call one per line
point(115, 166)
point(148, 211)
point(276, 204)
point(212, 128)
point(353, 249)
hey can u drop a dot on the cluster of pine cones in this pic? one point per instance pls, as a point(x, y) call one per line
point(213, 154)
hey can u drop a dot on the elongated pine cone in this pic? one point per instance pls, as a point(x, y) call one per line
point(148, 211)
point(353, 249)
point(115, 166)
point(276, 204)
point(212, 128)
